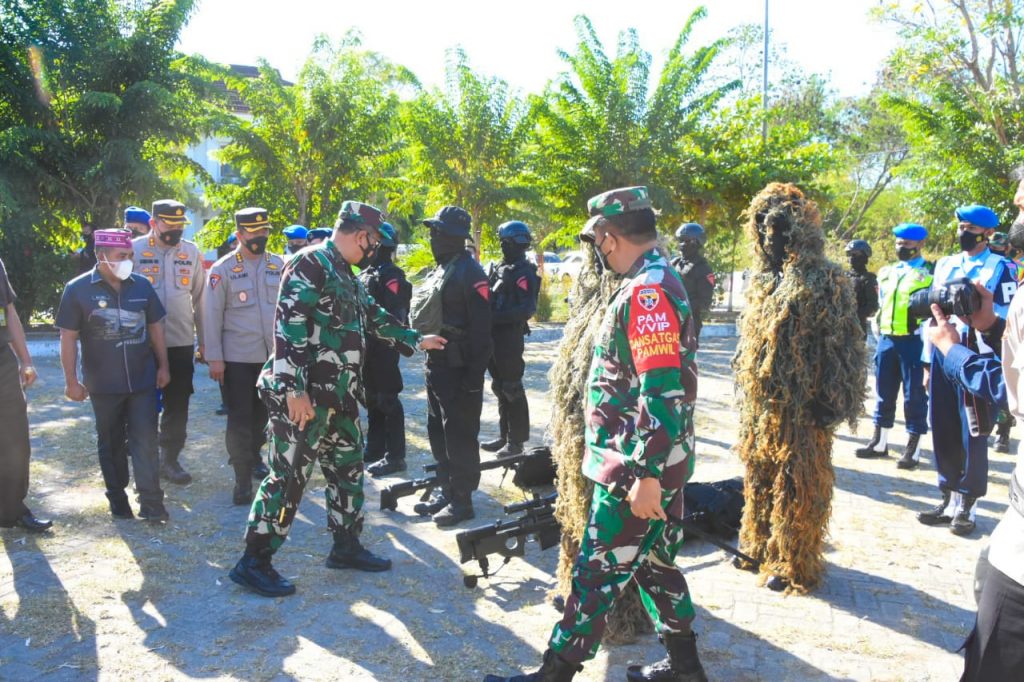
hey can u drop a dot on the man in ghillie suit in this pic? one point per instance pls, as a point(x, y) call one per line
point(800, 367)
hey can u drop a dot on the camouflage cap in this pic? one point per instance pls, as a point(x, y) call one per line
point(363, 214)
point(614, 202)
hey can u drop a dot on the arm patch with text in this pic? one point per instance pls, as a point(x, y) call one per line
point(653, 330)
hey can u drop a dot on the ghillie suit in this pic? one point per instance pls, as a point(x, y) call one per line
point(800, 367)
point(569, 376)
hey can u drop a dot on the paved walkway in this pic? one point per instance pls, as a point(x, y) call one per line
point(124, 600)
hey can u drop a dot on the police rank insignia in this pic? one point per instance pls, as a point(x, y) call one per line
point(271, 266)
point(648, 298)
point(237, 268)
point(181, 255)
point(147, 254)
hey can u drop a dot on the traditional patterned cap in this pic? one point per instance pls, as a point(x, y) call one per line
point(252, 219)
point(296, 232)
point(911, 231)
point(171, 212)
point(120, 239)
point(982, 216)
point(614, 202)
point(134, 214)
point(358, 212)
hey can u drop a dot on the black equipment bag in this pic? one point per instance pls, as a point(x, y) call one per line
point(536, 468)
point(716, 508)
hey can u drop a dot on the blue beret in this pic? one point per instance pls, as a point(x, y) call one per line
point(320, 233)
point(134, 214)
point(295, 232)
point(911, 231)
point(232, 238)
point(982, 216)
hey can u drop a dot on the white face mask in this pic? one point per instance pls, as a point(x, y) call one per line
point(121, 269)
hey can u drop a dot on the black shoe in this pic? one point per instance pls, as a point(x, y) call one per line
point(962, 523)
point(777, 583)
point(681, 664)
point(260, 471)
point(29, 522)
point(871, 450)
point(493, 445)
point(511, 449)
point(386, 468)
point(348, 552)
point(171, 471)
point(120, 508)
point(911, 453)
point(936, 516)
point(154, 513)
point(255, 572)
point(743, 565)
point(554, 669)
point(458, 510)
point(242, 495)
point(222, 411)
point(438, 501)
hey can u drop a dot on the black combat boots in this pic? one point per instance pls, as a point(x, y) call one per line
point(1003, 435)
point(171, 470)
point(242, 495)
point(384, 467)
point(493, 445)
point(458, 510)
point(877, 447)
point(936, 516)
point(510, 449)
point(260, 470)
point(554, 669)
point(437, 501)
point(963, 522)
point(254, 571)
point(681, 664)
point(348, 552)
point(911, 454)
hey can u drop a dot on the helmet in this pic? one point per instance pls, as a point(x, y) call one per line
point(999, 240)
point(452, 221)
point(859, 245)
point(516, 231)
point(388, 236)
point(692, 231)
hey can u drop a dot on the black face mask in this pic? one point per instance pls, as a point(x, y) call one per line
point(445, 247)
point(257, 245)
point(905, 253)
point(88, 239)
point(384, 256)
point(171, 237)
point(858, 261)
point(969, 240)
point(600, 259)
point(296, 247)
point(511, 251)
point(369, 254)
point(690, 250)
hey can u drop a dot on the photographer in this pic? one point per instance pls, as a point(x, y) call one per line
point(993, 650)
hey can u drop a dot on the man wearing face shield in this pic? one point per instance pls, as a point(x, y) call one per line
point(117, 318)
point(312, 386)
point(385, 415)
point(693, 267)
point(238, 324)
point(959, 434)
point(898, 355)
point(455, 302)
point(514, 288)
point(174, 266)
point(865, 284)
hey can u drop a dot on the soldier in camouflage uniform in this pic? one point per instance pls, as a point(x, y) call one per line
point(639, 411)
point(312, 387)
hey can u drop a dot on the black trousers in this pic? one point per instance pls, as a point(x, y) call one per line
point(14, 446)
point(995, 648)
point(507, 368)
point(453, 425)
point(174, 418)
point(385, 427)
point(126, 425)
point(247, 415)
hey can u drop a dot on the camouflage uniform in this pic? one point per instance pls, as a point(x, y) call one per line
point(323, 317)
point(639, 414)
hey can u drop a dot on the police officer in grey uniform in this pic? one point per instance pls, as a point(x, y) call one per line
point(238, 323)
point(174, 267)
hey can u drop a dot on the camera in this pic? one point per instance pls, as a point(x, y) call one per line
point(958, 297)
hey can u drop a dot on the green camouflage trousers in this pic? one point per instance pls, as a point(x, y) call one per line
point(618, 546)
point(331, 439)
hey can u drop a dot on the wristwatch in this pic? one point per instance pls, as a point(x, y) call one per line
point(297, 394)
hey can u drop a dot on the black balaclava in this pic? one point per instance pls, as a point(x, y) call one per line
point(444, 247)
point(385, 255)
point(690, 248)
point(858, 261)
point(512, 251)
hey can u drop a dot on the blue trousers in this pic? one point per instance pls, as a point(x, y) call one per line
point(960, 458)
point(898, 361)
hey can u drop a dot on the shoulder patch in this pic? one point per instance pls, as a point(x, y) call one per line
point(523, 283)
point(392, 286)
point(711, 278)
point(653, 330)
point(484, 290)
point(214, 280)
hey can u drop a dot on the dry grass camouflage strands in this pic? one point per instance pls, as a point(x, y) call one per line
point(800, 369)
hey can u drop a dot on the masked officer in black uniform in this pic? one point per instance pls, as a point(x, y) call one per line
point(698, 277)
point(514, 289)
point(865, 284)
point(382, 378)
point(455, 301)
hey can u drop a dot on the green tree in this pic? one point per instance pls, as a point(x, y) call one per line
point(465, 146)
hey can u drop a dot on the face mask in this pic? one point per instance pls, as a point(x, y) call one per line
point(690, 250)
point(295, 247)
point(171, 237)
point(969, 240)
point(369, 253)
point(257, 245)
point(511, 251)
point(858, 261)
point(121, 269)
point(600, 259)
point(87, 238)
point(1016, 234)
point(905, 253)
point(444, 247)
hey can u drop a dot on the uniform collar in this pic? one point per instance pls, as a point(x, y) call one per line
point(980, 258)
point(915, 262)
point(646, 259)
